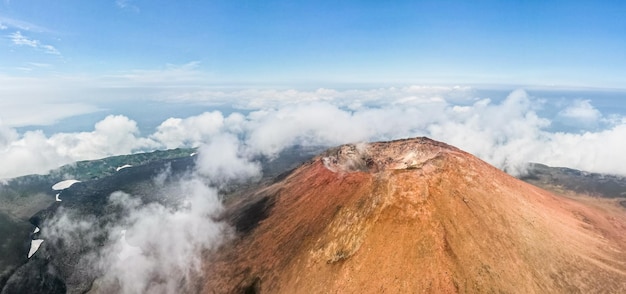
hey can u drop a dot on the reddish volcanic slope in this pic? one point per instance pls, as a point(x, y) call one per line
point(412, 216)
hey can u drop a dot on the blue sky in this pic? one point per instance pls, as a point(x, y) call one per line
point(509, 81)
point(564, 43)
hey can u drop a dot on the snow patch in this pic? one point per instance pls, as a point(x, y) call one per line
point(34, 246)
point(123, 167)
point(62, 185)
point(56, 197)
point(36, 230)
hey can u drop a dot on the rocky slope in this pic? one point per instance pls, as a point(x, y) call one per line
point(564, 180)
point(413, 216)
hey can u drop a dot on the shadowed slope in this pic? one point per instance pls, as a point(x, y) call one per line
point(412, 216)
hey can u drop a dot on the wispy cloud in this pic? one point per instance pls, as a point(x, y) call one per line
point(22, 68)
point(126, 4)
point(21, 40)
point(38, 64)
point(6, 23)
point(172, 75)
point(50, 49)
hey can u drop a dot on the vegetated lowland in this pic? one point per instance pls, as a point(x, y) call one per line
point(24, 197)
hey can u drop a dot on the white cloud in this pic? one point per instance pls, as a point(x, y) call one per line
point(503, 134)
point(3, 27)
point(18, 39)
point(151, 247)
point(34, 152)
point(224, 160)
point(121, 3)
point(22, 25)
point(580, 113)
point(507, 134)
point(50, 49)
point(188, 83)
point(270, 131)
point(115, 134)
point(192, 131)
point(601, 151)
point(7, 135)
point(352, 98)
point(38, 64)
point(183, 76)
point(170, 239)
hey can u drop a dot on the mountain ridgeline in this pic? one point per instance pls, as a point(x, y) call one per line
point(412, 215)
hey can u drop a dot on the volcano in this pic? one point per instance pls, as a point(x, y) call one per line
point(409, 216)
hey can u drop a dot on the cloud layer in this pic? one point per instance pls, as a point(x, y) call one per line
point(152, 248)
point(157, 247)
point(507, 134)
point(34, 152)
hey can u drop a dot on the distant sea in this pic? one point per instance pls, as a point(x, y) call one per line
point(148, 115)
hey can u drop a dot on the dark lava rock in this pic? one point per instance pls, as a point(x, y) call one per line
point(36, 276)
point(595, 184)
